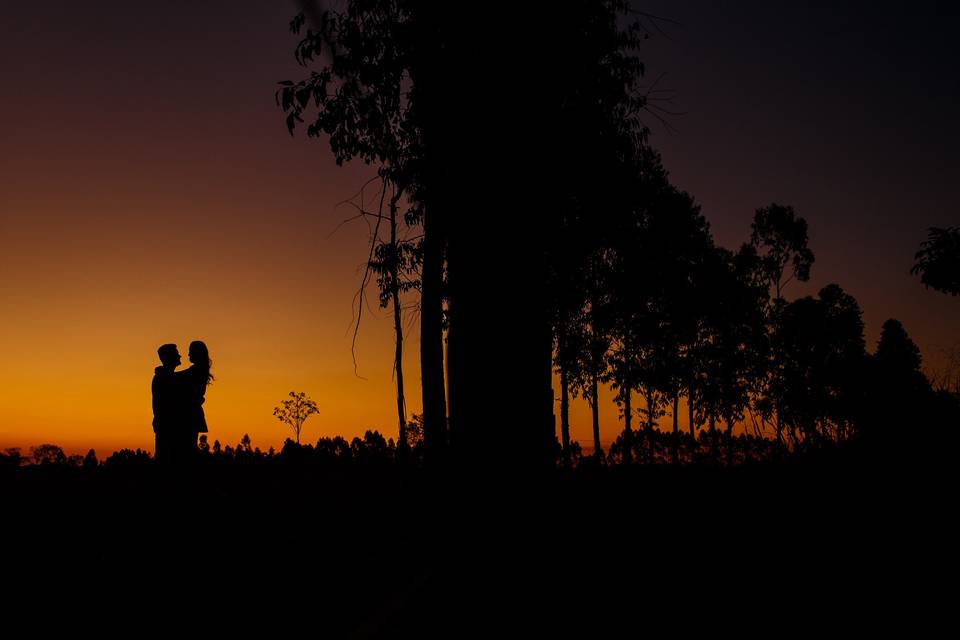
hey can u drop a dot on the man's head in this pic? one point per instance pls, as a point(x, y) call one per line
point(169, 355)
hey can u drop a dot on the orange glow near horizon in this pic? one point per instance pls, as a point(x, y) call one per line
point(85, 350)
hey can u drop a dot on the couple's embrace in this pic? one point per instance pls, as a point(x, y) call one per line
point(178, 401)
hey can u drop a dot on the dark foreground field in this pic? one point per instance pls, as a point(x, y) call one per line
point(379, 551)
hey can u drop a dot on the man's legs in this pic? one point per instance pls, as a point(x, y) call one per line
point(162, 452)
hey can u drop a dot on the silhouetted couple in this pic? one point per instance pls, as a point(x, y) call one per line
point(178, 402)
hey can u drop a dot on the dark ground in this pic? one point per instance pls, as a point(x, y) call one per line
point(379, 551)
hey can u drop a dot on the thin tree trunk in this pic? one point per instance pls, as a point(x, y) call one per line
point(627, 410)
point(729, 441)
point(713, 436)
point(690, 407)
point(397, 324)
point(626, 389)
point(564, 398)
point(627, 425)
point(779, 428)
point(595, 357)
point(648, 428)
point(595, 407)
point(676, 428)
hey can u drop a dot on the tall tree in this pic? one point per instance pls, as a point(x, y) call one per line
point(364, 100)
point(732, 345)
point(546, 69)
point(588, 338)
point(821, 345)
point(395, 261)
point(899, 395)
point(569, 331)
point(778, 239)
point(844, 363)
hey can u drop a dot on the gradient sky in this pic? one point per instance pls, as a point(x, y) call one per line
point(150, 194)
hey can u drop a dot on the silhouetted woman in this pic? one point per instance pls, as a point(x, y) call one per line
point(195, 381)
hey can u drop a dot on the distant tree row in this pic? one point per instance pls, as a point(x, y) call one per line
point(372, 446)
point(51, 455)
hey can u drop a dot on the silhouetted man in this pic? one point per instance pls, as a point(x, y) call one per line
point(166, 404)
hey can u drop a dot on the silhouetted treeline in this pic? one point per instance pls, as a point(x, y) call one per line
point(601, 270)
point(894, 417)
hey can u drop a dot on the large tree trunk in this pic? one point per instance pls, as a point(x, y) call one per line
point(499, 341)
point(431, 338)
point(496, 361)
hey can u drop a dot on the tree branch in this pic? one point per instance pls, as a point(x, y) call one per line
point(365, 280)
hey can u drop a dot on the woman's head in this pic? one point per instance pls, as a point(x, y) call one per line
point(200, 357)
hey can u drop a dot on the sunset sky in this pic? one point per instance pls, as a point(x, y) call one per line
point(149, 193)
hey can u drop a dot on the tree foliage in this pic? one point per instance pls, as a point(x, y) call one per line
point(820, 346)
point(360, 94)
point(295, 411)
point(47, 454)
point(779, 237)
point(360, 98)
point(938, 260)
